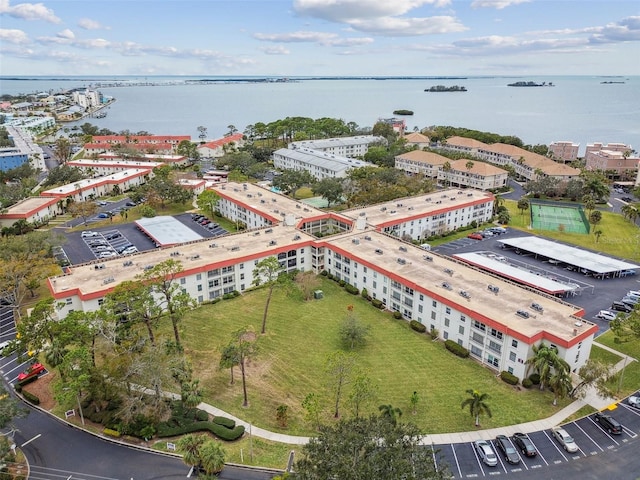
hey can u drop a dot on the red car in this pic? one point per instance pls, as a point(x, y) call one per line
point(475, 236)
point(32, 371)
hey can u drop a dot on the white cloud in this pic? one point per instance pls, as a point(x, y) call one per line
point(344, 11)
point(88, 24)
point(66, 34)
point(321, 38)
point(275, 50)
point(13, 36)
point(28, 11)
point(497, 4)
point(406, 27)
point(627, 30)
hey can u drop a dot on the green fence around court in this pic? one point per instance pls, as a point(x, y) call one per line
point(559, 217)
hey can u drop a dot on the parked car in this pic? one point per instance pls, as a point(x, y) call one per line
point(102, 215)
point(631, 301)
point(4, 345)
point(129, 250)
point(634, 401)
point(88, 234)
point(508, 452)
point(108, 254)
point(565, 439)
point(487, 233)
point(621, 307)
point(608, 423)
point(524, 444)
point(113, 235)
point(130, 204)
point(498, 230)
point(606, 315)
point(32, 371)
point(122, 248)
point(102, 203)
point(103, 248)
point(486, 453)
point(475, 236)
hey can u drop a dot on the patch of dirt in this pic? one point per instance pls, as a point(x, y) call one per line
point(41, 388)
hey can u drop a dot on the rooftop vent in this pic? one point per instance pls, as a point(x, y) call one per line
point(465, 294)
point(379, 252)
point(194, 257)
point(236, 190)
point(363, 214)
point(298, 205)
point(213, 245)
point(355, 241)
point(249, 195)
point(148, 267)
point(493, 288)
point(262, 200)
point(255, 234)
point(537, 307)
point(272, 242)
point(269, 230)
point(367, 237)
point(108, 280)
point(276, 211)
point(297, 237)
point(235, 248)
point(522, 313)
point(274, 200)
point(403, 248)
point(469, 194)
point(448, 271)
point(428, 258)
point(128, 263)
point(383, 209)
point(446, 285)
point(174, 254)
point(401, 261)
point(100, 266)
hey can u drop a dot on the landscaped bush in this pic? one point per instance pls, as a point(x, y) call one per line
point(224, 421)
point(111, 433)
point(224, 433)
point(535, 379)
point(365, 294)
point(456, 349)
point(434, 333)
point(509, 378)
point(397, 315)
point(351, 289)
point(329, 275)
point(417, 326)
point(377, 303)
point(202, 415)
point(342, 283)
point(324, 273)
point(30, 397)
point(526, 383)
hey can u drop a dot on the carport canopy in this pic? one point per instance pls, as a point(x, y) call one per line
point(166, 231)
point(577, 257)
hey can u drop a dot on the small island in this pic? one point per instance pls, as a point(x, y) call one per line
point(530, 84)
point(442, 88)
point(611, 82)
point(403, 112)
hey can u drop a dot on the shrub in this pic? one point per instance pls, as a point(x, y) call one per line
point(147, 211)
point(377, 303)
point(202, 415)
point(224, 433)
point(324, 273)
point(535, 379)
point(509, 378)
point(30, 397)
point(434, 333)
point(224, 421)
point(365, 294)
point(456, 349)
point(351, 289)
point(329, 275)
point(342, 283)
point(526, 383)
point(111, 433)
point(417, 326)
point(397, 315)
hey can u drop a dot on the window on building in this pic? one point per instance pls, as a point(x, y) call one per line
point(514, 343)
point(447, 310)
point(445, 335)
point(434, 304)
point(446, 322)
point(512, 356)
point(461, 330)
point(199, 276)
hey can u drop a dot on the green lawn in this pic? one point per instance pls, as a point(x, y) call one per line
point(604, 356)
point(620, 237)
point(631, 376)
point(292, 356)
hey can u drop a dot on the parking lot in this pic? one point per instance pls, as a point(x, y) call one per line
point(463, 461)
point(601, 297)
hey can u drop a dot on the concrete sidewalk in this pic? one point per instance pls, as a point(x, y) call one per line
point(591, 398)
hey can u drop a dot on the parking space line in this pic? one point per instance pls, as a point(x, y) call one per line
point(605, 432)
point(456, 459)
point(435, 461)
point(629, 432)
point(499, 457)
point(635, 411)
point(554, 442)
point(540, 453)
point(587, 435)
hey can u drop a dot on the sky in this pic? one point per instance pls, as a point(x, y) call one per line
point(320, 37)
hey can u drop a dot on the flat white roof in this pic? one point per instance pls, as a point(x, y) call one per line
point(494, 263)
point(578, 257)
point(167, 231)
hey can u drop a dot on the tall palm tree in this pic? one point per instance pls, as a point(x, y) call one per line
point(545, 362)
point(560, 383)
point(477, 405)
point(212, 457)
point(189, 445)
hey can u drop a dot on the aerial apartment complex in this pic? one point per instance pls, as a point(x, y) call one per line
point(496, 320)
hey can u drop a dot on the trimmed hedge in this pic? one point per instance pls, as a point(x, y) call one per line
point(417, 326)
point(224, 421)
point(526, 383)
point(30, 397)
point(456, 349)
point(397, 315)
point(224, 433)
point(509, 378)
point(535, 379)
point(377, 303)
point(351, 289)
point(111, 432)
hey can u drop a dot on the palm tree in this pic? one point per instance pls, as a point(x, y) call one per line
point(446, 168)
point(523, 204)
point(561, 385)
point(477, 405)
point(190, 447)
point(390, 412)
point(545, 361)
point(212, 457)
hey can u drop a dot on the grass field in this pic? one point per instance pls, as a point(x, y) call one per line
point(620, 237)
point(292, 357)
point(631, 377)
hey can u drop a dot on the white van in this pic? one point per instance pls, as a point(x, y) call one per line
point(425, 246)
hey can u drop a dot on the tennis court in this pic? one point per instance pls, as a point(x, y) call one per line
point(559, 217)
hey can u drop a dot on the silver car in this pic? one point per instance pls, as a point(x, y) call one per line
point(634, 401)
point(565, 439)
point(486, 453)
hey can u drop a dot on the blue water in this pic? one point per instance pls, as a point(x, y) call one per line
point(578, 108)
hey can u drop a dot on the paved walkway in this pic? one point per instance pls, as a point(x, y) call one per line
point(591, 398)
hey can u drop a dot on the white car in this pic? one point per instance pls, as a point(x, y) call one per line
point(565, 439)
point(88, 234)
point(109, 254)
point(606, 315)
point(4, 345)
point(486, 453)
point(634, 401)
point(129, 251)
